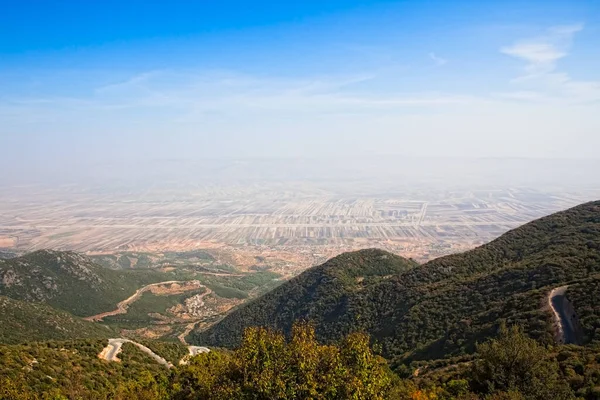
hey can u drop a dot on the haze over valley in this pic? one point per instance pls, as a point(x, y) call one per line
point(291, 213)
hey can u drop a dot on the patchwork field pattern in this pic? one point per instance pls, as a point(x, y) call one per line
point(299, 227)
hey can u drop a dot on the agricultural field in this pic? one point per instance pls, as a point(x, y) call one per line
point(274, 227)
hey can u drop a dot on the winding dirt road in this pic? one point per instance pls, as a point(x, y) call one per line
point(112, 350)
point(124, 305)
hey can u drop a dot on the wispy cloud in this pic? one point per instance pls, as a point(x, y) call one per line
point(524, 96)
point(133, 81)
point(542, 78)
point(543, 52)
point(195, 94)
point(437, 60)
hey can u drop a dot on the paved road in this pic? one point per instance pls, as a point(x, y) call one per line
point(113, 349)
point(195, 350)
point(562, 318)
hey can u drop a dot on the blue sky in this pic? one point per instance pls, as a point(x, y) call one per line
point(92, 81)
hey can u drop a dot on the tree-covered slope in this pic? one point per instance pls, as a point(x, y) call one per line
point(584, 297)
point(267, 366)
point(22, 321)
point(445, 306)
point(72, 370)
point(69, 281)
point(320, 294)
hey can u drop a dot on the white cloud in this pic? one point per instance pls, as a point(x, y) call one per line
point(542, 80)
point(524, 95)
point(566, 30)
point(235, 93)
point(535, 53)
point(543, 52)
point(437, 60)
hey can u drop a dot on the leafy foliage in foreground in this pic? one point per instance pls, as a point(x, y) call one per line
point(516, 363)
point(264, 367)
point(267, 367)
point(442, 308)
point(71, 369)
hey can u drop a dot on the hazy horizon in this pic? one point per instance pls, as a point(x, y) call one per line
point(343, 173)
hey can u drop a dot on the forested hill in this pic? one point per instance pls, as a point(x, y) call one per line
point(443, 307)
point(69, 281)
point(21, 322)
point(321, 294)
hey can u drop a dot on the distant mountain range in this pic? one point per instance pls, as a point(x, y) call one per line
point(444, 307)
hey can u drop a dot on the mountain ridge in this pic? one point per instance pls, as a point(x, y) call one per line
point(445, 306)
point(330, 283)
point(69, 281)
point(22, 321)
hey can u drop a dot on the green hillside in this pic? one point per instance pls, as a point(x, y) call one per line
point(72, 370)
point(320, 294)
point(441, 308)
point(24, 322)
point(585, 298)
point(70, 281)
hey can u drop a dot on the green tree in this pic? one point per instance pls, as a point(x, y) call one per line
point(512, 395)
point(308, 372)
point(262, 362)
point(12, 390)
point(146, 386)
point(206, 376)
point(266, 367)
point(517, 363)
point(367, 377)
